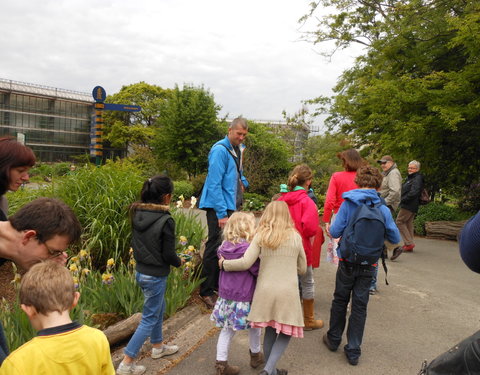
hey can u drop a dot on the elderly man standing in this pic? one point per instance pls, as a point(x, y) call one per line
point(391, 188)
point(409, 203)
point(222, 194)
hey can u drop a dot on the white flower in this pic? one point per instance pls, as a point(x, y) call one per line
point(181, 198)
point(179, 204)
point(193, 201)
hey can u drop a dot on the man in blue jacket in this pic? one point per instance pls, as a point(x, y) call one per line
point(222, 194)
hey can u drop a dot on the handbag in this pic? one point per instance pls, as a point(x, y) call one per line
point(424, 197)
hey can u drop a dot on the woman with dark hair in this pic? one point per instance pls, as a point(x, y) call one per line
point(340, 182)
point(15, 162)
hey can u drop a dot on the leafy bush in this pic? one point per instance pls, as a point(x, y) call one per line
point(437, 212)
point(50, 169)
point(197, 183)
point(254, 202)
point(188, 225)
point(184, 188)
point(471, 198)
point(60, 169)
point(100, 198)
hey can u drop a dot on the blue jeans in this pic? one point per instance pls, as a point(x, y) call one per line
point(352, 280)
point(153, 289)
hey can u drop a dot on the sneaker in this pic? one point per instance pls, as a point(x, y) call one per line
point(131, 369)
point(164, 351)
point(328, 344)
point(352, 361)
point(408, 248)
point(396, 252)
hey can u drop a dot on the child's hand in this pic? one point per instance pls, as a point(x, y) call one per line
point(327, 229)
point(220, 262)
point(183, 260)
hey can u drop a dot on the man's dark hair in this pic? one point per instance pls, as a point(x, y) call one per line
point(48, 217)
point(368, 177)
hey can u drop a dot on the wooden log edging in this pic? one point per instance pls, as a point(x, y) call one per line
point(123, 329)
point(444, 230)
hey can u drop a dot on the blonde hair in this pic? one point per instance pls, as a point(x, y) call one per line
point(48, 286)
point(298, 176)
point(275, 225)
point(240, 227)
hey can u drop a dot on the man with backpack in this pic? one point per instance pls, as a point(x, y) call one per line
point(363, 223)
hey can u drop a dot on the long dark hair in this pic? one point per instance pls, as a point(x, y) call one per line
point(154, 191)
point(13, 154)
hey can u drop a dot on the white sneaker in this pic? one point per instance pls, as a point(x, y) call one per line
point(164, 351)
point(131, 369)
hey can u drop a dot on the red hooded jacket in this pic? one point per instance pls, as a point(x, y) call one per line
point(305, 216)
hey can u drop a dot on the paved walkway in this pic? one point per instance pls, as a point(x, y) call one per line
point(432, 302)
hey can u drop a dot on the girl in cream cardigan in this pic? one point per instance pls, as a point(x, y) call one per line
point(276, 302)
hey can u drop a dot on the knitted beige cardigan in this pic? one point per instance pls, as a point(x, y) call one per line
point(276, 295)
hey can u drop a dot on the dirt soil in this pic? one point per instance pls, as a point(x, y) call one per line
point(7, 289)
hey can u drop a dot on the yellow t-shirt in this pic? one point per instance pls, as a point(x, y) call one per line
point(81, 351)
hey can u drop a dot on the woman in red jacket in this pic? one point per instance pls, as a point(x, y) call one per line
point(305, 216)
point(340, 182)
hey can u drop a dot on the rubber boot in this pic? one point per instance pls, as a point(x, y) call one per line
point(308, 317)
point(256, 359)
point(223, 368)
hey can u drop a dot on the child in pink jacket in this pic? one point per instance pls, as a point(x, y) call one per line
point(305, 216)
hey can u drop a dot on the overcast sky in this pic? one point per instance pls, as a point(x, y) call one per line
point(247, 53)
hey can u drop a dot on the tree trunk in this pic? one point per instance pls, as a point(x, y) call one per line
point(445, 230)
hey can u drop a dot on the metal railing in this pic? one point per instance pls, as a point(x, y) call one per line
point(31, 88)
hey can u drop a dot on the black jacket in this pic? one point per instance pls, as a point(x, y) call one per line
point(153, 247)
point(411, 191)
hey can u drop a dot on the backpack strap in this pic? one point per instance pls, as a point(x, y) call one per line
point(384, 264)
point(237, 162)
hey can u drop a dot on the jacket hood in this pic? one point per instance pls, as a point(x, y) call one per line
point(228, 249)
point(146, 214)
point(293, 197)
point(358, 196)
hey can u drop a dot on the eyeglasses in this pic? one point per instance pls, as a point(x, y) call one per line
point(55, 253)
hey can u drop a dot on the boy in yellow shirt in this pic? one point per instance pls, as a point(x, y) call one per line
point(47, 294)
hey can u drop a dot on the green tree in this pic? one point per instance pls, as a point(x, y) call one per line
point(320, 154)
point(187, 128)
point(415, 92)
point(266, 161)
point(125, 128)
